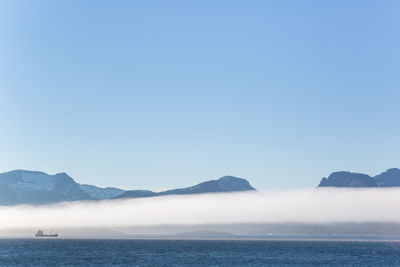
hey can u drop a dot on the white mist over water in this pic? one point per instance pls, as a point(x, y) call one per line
point(297, 206)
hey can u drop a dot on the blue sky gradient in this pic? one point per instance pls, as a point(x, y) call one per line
point(162, 94)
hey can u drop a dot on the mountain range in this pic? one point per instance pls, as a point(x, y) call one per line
point(33, 187)
point(389, 178)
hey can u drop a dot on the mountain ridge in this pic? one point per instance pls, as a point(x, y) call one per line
point(36, 187)
point(388, 178)
point(223, 184)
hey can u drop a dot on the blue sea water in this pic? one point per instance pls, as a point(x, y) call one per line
point(109, 252)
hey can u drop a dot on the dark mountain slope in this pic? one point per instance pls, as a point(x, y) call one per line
point(223, 184)
point(389, 178)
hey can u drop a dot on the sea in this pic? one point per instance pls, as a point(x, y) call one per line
point(132, 252)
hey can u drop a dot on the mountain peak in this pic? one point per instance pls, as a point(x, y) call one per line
point(393, 170)
point(232, 183)
point(223, 184)
point(347, 179)
point(389, 178)
point(35, 187)
point(62, 174)
point(21, 171)
point(230, 178)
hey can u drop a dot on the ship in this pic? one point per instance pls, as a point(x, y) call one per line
point(40, 233)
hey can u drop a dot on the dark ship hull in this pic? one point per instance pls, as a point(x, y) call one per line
point(44, 235)
point(41, 234)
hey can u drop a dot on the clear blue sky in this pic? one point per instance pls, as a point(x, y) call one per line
point(162, 94)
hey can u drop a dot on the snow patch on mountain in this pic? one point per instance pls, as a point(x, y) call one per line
point(33, 181)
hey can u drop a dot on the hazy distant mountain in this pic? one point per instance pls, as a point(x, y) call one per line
point(137, 193)
point(389, 178)
point(223, 184)
point(101, 193)
point(348, 179)
point(32, 187)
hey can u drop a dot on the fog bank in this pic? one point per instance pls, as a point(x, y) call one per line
point(291, 206)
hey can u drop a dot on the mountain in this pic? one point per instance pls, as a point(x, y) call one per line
point(99, 192)
point(137, 194)
point(223, 184)
point(389, 178)
point(32, 187)
point(348, 179)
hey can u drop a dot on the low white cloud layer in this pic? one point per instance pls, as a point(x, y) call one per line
point(303, 206)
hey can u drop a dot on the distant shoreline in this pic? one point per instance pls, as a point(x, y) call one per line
point(232, 238)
